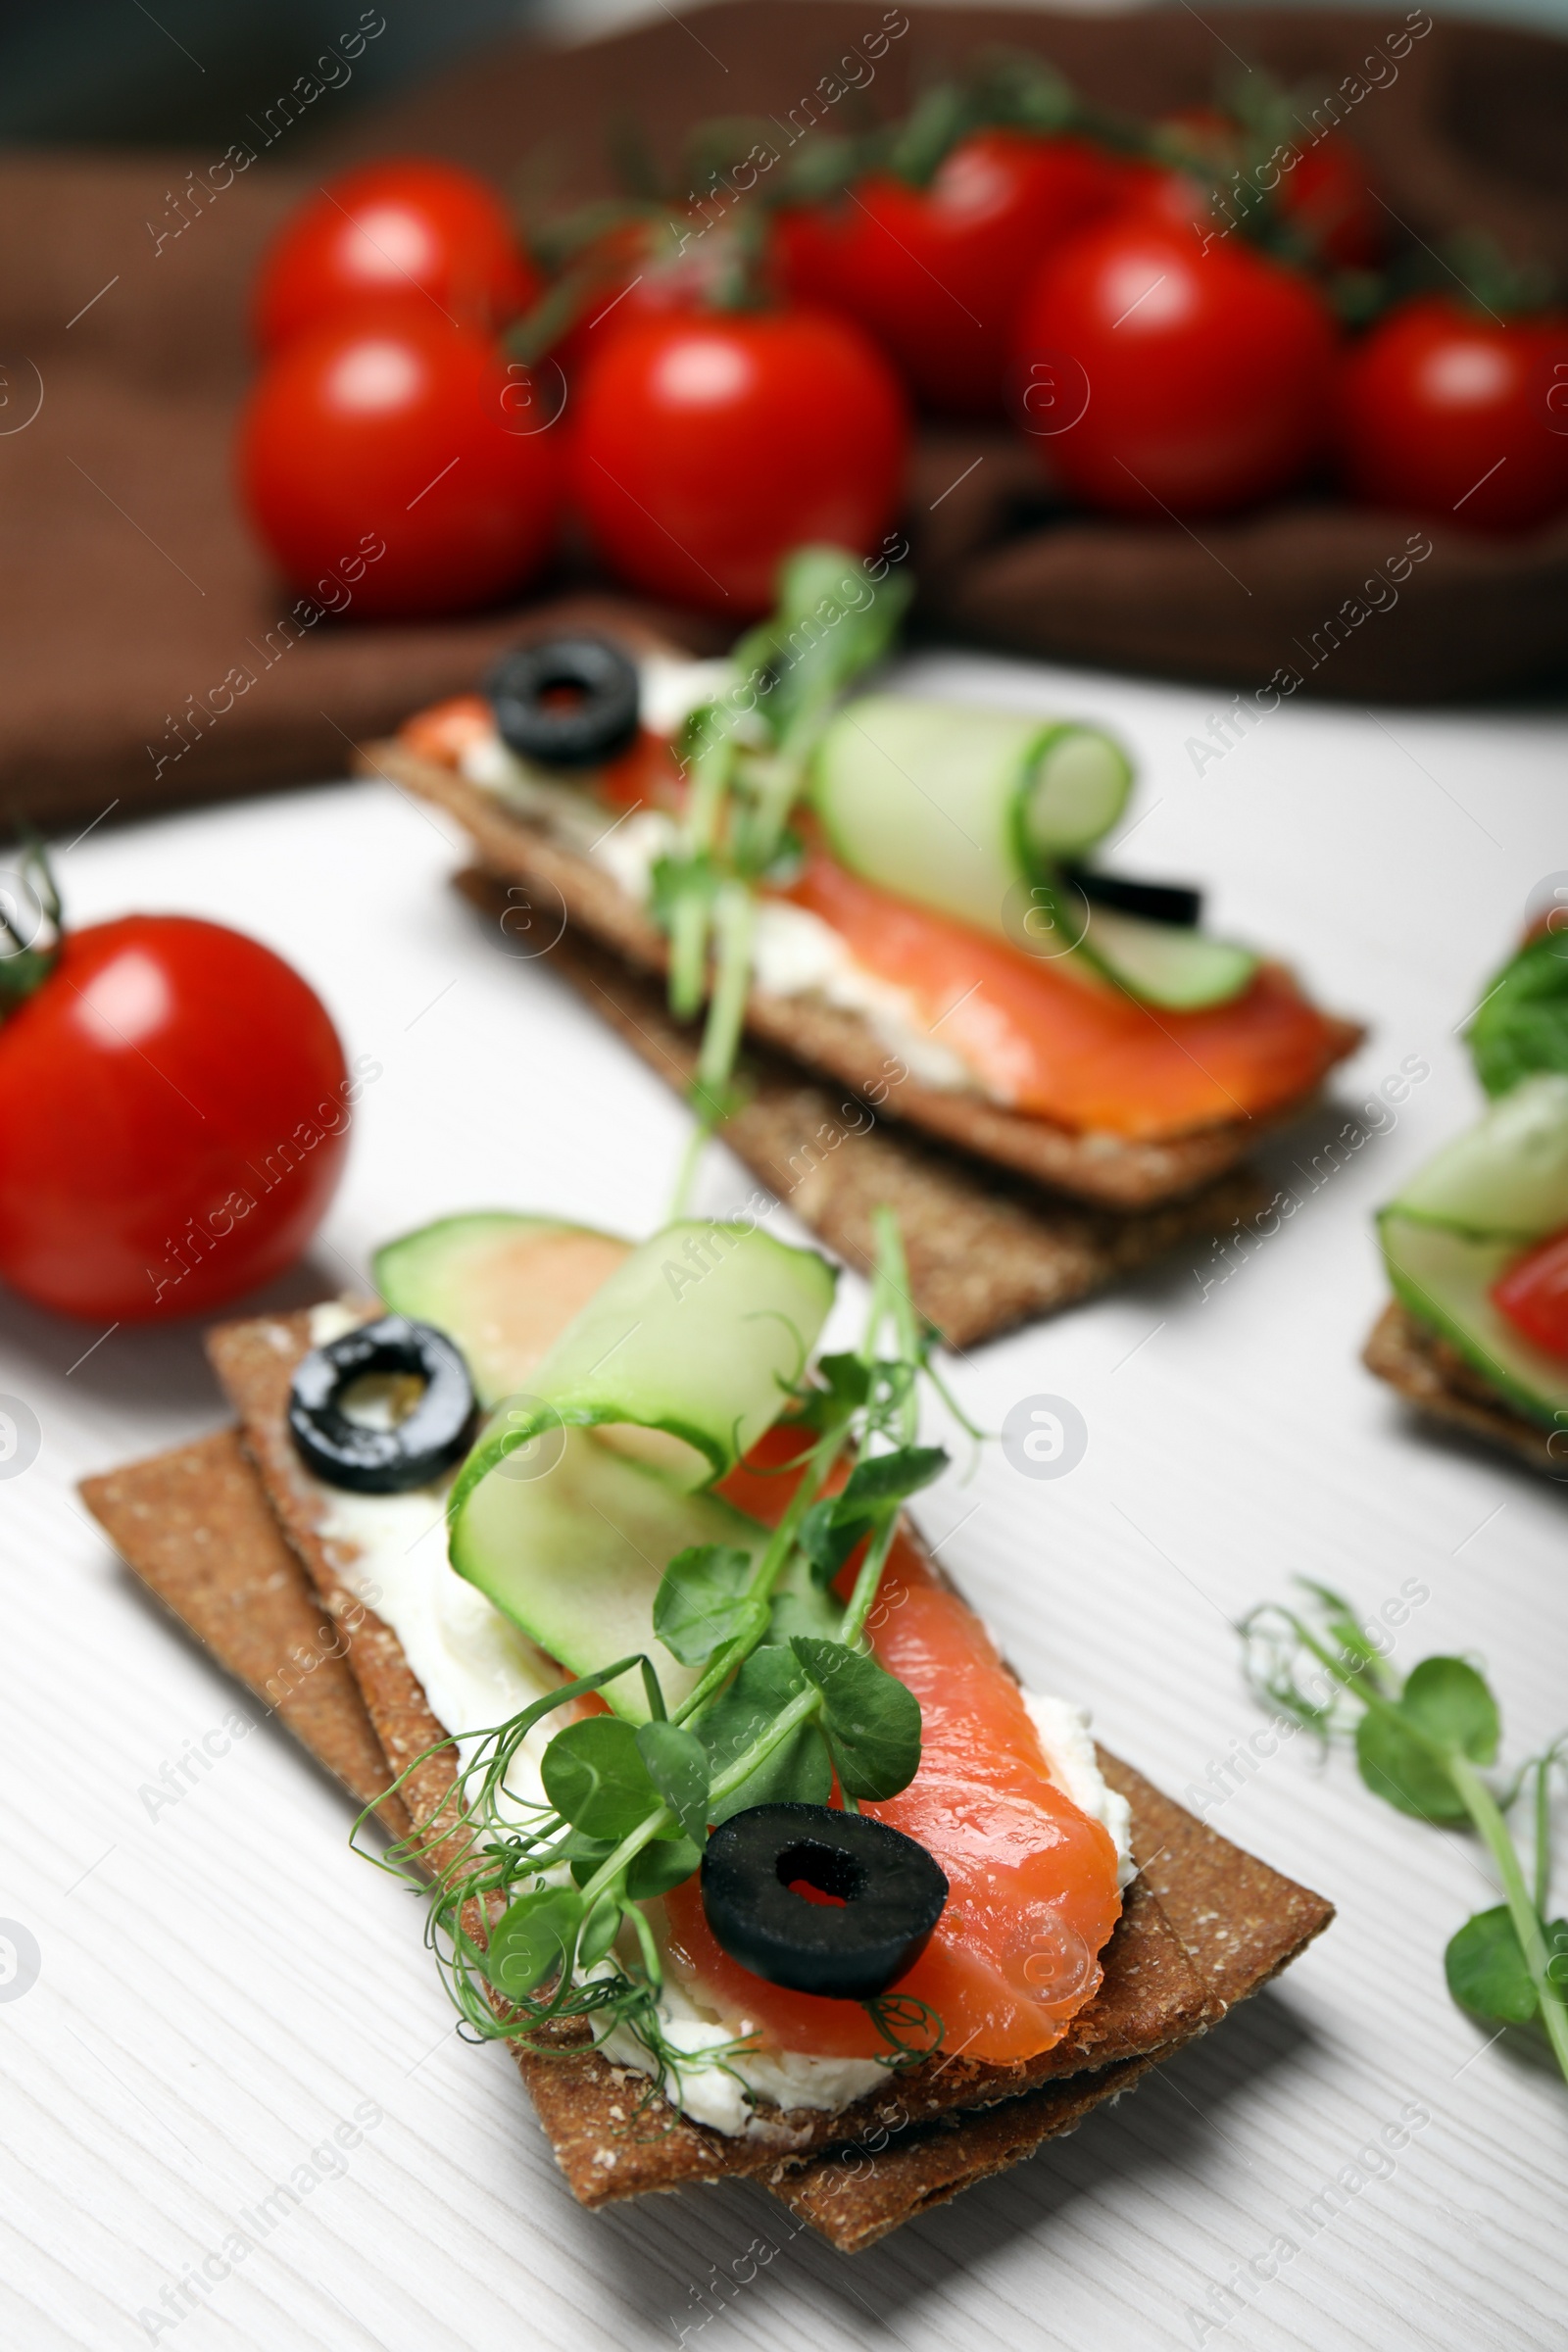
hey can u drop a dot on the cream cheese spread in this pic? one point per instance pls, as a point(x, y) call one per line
point(478, 1670)
point(794, 952)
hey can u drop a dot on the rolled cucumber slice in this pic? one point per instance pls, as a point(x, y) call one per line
point(1165, 965)
point(968, 812)
point(503, 1286)
point(696, 1336)
point(572, 1548)
point(1443, 1278)
point(953, 807)
point(1507, 1176)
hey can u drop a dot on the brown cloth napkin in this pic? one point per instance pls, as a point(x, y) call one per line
point(146, 658)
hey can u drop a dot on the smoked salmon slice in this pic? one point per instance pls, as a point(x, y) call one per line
point(1047, 1038)
point(1033, 1880)
point(1053, 1039)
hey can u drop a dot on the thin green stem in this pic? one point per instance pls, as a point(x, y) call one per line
point(869, 1579)
point(734, 921)
point(1543, 1830)
point(1484, 1811)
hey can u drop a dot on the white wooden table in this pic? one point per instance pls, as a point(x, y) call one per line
point(221, 1984)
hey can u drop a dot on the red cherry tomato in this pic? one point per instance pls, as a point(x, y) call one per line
point(1447, 413)
point(173, 1116)
point(1318, 183)
point(426, 230)
point(1326, 194)
point(640, 271)
point(935, 273)
point(1534, 1296)
point(707, 448)
point(401, 433)
point(1200, 379)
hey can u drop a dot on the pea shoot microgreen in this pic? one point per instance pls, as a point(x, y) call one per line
point(1420, 1744)
point(745, 755)
point(536, 1903)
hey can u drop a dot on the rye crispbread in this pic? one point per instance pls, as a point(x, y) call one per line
point(1437, 1379)
point(1112, 1170)
point(986, 1250)
point(197, 1528)
point(612, 2140)
point(245, 1594)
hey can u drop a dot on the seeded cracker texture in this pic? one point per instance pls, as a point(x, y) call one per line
point(1110, 1169)
point(1162, 1984)
point(1436, 1378)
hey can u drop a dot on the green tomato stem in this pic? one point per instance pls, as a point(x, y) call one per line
point(1487, 1815)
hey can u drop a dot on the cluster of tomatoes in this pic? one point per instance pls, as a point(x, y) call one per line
point(702, 392)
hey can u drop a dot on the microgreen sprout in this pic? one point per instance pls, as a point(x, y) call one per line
point(536, 1912)
point(1420, 1744)
point(746, 756)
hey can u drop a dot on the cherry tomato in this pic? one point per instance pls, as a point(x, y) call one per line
point(426, 230)
point(1199, 380)
point(1533, 1295)
point(935, 273)
point(1326, 194)
point(173, 1116)
point(1448, 413)
point(705, 448)
point(640, 270)
point(397, 432)
point(1319, 184)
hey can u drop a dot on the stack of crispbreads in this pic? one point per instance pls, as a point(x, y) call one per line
point(225, 1532)
point(1004, 1215)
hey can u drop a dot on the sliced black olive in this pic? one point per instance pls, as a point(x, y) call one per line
point(568, 702)
point(1157, 902)
point(427, 1441)
point(885, 1897)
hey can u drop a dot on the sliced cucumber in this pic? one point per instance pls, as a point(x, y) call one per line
point(1443, 1277)
point(1163, 964)
point(953, 807)
point(574, 1554)
point(968, 810)
point(1507, 1176)
point(697, 1336)
point(504, 1287)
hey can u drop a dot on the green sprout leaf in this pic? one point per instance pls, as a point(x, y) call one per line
point(1486, 1971)
point(798, 1771)
point(659, 1866)
point(1404, 1749)
point(677, 1766)
point(1522, 1025)
point(532, 1940)
point(600, 1930)
point(700, 1602)
point(595, 1777)
point(827, 1539)
point(872, 1719)
point(890, 1477)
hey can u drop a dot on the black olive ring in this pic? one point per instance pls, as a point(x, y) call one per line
point(1173, 903)
point(381, 1461)
point(566, 702)
point(890, 1896)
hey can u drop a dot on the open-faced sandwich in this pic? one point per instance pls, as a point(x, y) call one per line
point(1476, 1244)
point(735, 1826)
point(895, 894)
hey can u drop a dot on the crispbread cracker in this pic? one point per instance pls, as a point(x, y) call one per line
point(1239, 1920)
point(1151, 1997)
point(1110, 1169)
point(1434, 1376)
point(195, 1526)
point(986, 1250)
